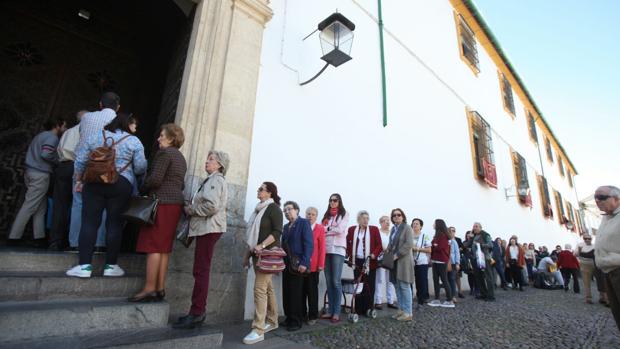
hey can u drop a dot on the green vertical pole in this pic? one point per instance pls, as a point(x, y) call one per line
point(383, 84)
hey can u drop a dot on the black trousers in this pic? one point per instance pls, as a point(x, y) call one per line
point(516, 274)
point(421, 282)
point(366, 299)
point(612, 283)
point(440, 271)
point(485, 281)
point(567, 274)
point(63, 197)
point(96, 197)
point(311, 296)
point(293, 298)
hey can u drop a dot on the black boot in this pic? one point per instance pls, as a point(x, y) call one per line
point(189, 321)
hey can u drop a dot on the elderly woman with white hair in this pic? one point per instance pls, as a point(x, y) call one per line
point(364, 242)
point(207, 212)
point(569, 267)
point(317, 264)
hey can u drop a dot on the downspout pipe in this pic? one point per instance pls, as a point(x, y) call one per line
point(381, 49)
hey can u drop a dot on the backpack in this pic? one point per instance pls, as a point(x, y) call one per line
point(101, 165)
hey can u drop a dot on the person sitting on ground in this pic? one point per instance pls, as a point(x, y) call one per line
point(548, 269)
point(569, 267)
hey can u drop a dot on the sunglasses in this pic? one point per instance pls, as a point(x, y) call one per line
point(587, 239)
point(261, 189)
point(333, 200)
point(601, 197)
point(397, 215)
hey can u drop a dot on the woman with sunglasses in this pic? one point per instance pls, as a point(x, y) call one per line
point(585, 253)
point(401, 243)
point(336, 221)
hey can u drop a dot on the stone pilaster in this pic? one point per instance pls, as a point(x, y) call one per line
point(216, 110)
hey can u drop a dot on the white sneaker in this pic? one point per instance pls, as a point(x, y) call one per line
point(447, 304)
point(269, 328)
point(253, 337)
point(113, 270)
point(81, 271)
point(435, 303)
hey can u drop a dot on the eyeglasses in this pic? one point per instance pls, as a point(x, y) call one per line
point(601, 197)
point(587, 239)
point(287, 209)
point(397, 215)
point(333, 200)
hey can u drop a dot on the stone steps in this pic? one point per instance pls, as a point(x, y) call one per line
point(150, 338)
point(32, 285)
point(31, 320)
point(20, 260)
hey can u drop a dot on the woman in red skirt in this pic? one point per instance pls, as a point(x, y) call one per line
point(165, 180)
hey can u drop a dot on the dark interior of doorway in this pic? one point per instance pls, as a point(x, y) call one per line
point(58, 56)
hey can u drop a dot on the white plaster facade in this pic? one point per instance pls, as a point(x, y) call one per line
point(328, 137)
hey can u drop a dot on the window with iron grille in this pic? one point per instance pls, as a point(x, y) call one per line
point(531, 124)
point(560, 207)
point(545, 199)
point(467, 42)
point(482, 144)
point(509, 103)
point(549, 150)
point(522, 183)
point(560, 165)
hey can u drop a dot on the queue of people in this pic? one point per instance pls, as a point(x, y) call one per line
point(308, 245)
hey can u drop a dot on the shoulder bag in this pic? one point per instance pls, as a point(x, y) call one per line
point(142, 209)
point(271, 261)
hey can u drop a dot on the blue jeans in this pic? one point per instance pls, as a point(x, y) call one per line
point(76, 222)
point(421, 282)
point(405, 296)
point(333, 275)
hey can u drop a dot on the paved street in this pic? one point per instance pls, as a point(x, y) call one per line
point(531, 319)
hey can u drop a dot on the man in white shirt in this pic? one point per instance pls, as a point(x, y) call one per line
point(607, 246)
point(421, 256)
point(549, 268)
point(63, 185)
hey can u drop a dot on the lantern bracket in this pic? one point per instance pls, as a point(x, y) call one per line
point(316, 76)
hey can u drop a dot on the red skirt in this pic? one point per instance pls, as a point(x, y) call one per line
point(158, 238)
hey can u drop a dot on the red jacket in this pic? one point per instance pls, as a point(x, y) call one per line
point(375, 244)
point(318, 252)
point(567, 260)
point(440, 249)
point(520, 258)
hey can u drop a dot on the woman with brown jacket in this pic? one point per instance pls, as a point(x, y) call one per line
point(165, 180)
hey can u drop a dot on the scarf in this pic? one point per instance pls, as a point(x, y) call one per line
point(333, 211)
point(254, 222)
point(365, 241)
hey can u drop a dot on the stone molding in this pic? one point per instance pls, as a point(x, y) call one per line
point(256, 9)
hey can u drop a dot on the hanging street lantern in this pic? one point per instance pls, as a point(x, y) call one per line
point(336, 37)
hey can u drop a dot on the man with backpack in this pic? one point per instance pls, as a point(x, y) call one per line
point(91, 124)
point(40, 159)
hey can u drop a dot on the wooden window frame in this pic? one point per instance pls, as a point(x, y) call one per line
point(462, 29)
point(571, 215)
point(548, 149)
point(561, 165)
point(508, 100)
point(531, 126)
point(545, 198)
point(559, 203)
point(522, 184)
point(569, 177)
point(481, 140)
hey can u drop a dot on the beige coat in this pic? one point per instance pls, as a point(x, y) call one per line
point(403, 245)
point(208, 208)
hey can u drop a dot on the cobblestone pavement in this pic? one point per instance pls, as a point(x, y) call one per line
point(531, 319)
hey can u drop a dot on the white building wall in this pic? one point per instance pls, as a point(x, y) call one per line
point(327, 136)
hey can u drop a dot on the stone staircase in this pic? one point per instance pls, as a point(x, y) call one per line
point(42, 308)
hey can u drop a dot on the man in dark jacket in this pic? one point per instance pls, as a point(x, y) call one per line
point(482, 249)
point(500, 267)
